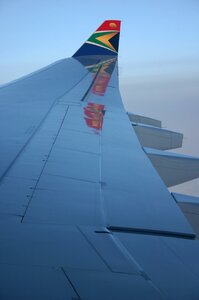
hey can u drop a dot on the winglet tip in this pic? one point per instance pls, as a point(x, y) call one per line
point(104, 41)
point(110, 25)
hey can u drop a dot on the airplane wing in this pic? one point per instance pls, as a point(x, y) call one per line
point(83, 212)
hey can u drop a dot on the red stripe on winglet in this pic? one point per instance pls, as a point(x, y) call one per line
point(110, 25)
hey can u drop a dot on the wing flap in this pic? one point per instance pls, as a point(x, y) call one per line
point(144, 120)
point(190, 207)
point(174, 168)
point(158, 138)
point(180, 198)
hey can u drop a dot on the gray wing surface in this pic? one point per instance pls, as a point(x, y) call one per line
point(83, 212)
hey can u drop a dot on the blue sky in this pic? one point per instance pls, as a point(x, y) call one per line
point(154, 32)
point(158, 59)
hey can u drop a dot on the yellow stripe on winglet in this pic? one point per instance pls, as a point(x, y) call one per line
point(105, 39)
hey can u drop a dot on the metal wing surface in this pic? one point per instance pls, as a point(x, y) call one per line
point(83, 212)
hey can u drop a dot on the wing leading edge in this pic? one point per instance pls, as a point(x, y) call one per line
point(84, 213)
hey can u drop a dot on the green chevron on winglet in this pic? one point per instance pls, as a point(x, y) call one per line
point(102, 38)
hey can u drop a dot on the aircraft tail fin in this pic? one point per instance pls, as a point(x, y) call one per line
point(104, 41)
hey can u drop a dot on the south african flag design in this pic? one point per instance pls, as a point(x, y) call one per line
point(104, 41)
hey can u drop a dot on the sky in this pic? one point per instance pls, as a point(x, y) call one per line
point(158, 56)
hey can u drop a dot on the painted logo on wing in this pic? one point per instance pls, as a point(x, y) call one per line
point(106, 36)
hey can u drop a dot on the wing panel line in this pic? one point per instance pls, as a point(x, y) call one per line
point(38, 127)
point(35, 187)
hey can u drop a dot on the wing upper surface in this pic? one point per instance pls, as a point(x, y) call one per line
point(78, 191)
point(91, 130)
point(26, 103)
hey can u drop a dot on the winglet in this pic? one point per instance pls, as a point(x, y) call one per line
point(104, 41)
